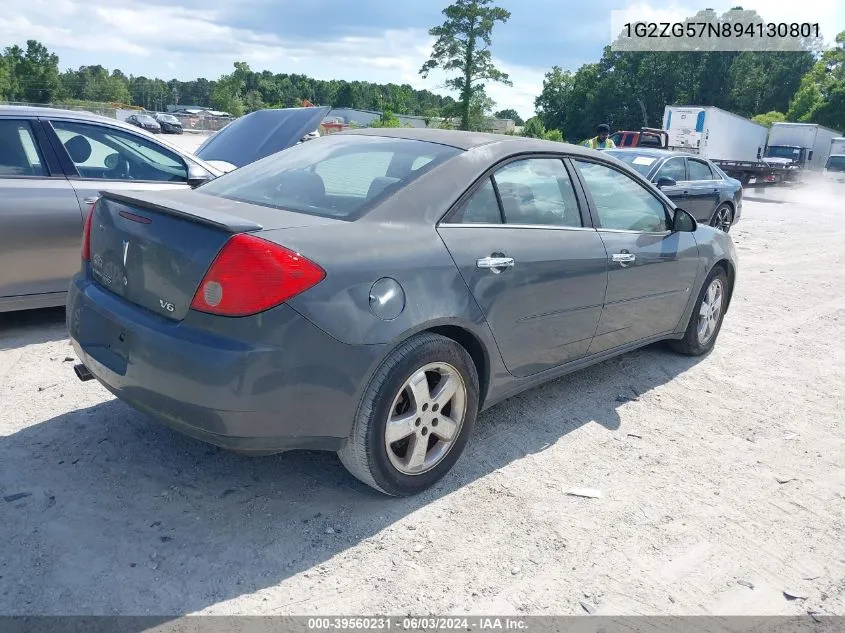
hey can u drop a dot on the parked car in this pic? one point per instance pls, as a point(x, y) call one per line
point(169, 123)
point(694, 183)
point(370, 292)
point(53, 165)
point(145, 122)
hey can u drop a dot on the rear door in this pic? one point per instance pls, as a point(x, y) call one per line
point(40, 220)
point(102, 157)
point(703, 190)
point(651, 268)
point(536, 268)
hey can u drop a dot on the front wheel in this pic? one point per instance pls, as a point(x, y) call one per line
point(415, 418)
point(706, 318)
point(722, 219)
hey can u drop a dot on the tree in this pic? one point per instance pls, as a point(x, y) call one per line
point(387, 119)
point(554, 135)
point(534, 128)
point(463, 46)
point(511, 114)
point(821, 97)
point(769, 117)
point(32, 74)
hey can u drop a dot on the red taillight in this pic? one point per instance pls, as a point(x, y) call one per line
point(250, 275)
point(86, 235)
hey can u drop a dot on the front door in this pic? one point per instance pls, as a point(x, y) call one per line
point(106, 157)
point(651, 268)
point(40, 221)
point(536, 269)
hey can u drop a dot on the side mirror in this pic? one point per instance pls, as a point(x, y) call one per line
point(666, 182)
point(684, 222)
point(197, 175)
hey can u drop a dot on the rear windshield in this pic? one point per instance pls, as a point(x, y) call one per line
point(641, 162)
point(338, 176)
point(167, 118)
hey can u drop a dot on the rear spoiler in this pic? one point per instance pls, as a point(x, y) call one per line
point(192, 212)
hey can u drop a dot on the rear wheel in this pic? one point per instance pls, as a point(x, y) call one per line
point(723, 218)
point(415, 417)
point(706, 318)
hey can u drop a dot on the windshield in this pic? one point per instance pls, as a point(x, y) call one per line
point(145, 118)
point(167, 118)
point(836, 163)
point(336, 176)
point(781, 151)
point(641, 162)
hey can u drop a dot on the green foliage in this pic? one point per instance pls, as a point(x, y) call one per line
point(387, 119)
point(32, 75)
point(462, 48)
point(629, 90)
point(29, 75)
point(534, 128)
point(769, 117)
point(554, 135)
point(511, 114)
point(821, 95)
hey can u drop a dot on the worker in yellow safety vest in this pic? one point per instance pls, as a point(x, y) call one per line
point(601, 141)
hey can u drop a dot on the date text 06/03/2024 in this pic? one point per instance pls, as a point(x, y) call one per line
point(410, 624)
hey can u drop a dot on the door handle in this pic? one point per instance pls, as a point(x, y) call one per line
point(91, 200)
point(623, 258)
point(496, 264)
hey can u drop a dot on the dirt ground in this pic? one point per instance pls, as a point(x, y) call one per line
point(722, 480)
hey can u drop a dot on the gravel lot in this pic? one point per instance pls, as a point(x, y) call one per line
point(723, 480)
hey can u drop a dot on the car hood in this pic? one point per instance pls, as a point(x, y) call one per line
point(261, 133)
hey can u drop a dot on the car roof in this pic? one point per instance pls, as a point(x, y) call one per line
point(656, 153)
point(469, 140)
point(82, 115)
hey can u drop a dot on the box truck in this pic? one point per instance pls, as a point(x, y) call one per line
point(805, 144)
point(734, 143)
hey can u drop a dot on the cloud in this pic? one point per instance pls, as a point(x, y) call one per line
point(376, 40)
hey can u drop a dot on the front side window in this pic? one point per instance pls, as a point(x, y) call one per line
point(337, 176)
point(622, 203)
point(102, 152)
point(19, 155)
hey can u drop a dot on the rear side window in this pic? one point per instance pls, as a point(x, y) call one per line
point(340, 176)
point(19, 154)
point(699, 170)
point(481, 208)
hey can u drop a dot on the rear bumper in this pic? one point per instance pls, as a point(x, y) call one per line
point(269, 383)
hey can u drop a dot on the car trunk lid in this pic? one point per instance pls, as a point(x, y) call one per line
point(154, 248)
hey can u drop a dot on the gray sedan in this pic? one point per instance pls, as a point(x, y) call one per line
point(54, 163)
point(371, 292)
point(694, 183)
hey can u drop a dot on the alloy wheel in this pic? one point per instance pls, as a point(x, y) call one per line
point(426, 418)
point(722, 219)
point(711, 309)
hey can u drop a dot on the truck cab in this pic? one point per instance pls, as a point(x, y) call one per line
point(792, 154)
point(646, 137)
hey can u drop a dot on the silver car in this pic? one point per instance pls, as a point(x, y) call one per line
point(55, 163)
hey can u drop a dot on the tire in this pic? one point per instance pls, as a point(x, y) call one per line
point(390, 395)
point(692, 344)
point(723, 218)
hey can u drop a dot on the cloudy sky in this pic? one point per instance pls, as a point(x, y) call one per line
point(372, 40)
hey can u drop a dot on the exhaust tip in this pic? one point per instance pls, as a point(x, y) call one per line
point(82, 372)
